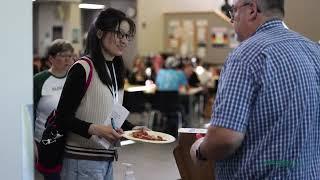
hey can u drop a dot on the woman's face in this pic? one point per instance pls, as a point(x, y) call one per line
point(62, 61)
point(114, 43)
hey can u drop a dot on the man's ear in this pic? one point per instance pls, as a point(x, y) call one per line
point(99, 34)
point(253, 11)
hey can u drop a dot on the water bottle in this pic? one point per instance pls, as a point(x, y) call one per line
point(129, 174)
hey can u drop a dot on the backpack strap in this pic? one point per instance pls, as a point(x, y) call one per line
point(88, 67)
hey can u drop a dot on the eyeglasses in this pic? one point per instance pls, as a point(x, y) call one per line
point(122, 35)
point(234, 9)
point(65, 55)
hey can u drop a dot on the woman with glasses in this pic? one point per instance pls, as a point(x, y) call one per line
point(48, 85)
point(83, 113)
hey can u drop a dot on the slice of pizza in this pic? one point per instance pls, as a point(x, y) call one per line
point(144, 135)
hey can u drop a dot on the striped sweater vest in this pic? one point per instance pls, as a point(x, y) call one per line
point(95, 107)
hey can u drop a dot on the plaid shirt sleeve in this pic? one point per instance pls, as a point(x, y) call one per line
point(235, 96)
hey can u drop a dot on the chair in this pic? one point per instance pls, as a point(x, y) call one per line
point(166, 106)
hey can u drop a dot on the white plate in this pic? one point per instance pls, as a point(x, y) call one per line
point(168, 138)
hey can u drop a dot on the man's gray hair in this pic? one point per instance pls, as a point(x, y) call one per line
point(271, 8)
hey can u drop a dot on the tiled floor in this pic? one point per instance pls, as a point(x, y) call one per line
point(150, 161)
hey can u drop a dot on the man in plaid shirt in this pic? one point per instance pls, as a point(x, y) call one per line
point(266, 118)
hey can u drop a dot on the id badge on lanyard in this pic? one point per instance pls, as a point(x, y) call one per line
point(114, 89)
point(118, 113)
point(117, 116)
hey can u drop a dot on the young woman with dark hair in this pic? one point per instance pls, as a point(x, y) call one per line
point(83, 114)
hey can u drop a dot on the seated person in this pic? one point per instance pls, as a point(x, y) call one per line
point(169, 82)
point(193, 80)
point(170, 78)
point(138, 75)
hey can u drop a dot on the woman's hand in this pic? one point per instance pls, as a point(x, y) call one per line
point(106, 132)
point(35, 150)
point(119, 130)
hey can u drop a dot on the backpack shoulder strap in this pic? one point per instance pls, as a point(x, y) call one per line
point(88, 66)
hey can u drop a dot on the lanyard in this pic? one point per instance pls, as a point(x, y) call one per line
point(115, 94)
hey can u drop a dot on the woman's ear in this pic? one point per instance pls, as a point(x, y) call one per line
point(99, 34)
point(50, 59)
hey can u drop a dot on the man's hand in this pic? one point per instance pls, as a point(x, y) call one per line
point(217, 144)
point(193, 150)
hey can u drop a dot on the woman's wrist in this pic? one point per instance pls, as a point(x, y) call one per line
point(92, 129)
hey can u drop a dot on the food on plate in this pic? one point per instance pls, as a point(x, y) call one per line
point(144, 135)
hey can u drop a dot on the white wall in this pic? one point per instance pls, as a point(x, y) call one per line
point(74, 22)
point(303, 20)
point(150, 12)
point(150, 39)
point(16, 82)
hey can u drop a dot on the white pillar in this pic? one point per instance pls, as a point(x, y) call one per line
point(16, 83)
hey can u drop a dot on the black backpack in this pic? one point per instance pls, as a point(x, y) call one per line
point(51, 146)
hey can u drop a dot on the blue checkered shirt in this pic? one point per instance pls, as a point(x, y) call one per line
point(269, 90)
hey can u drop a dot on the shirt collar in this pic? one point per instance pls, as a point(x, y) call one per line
point(271, 23)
